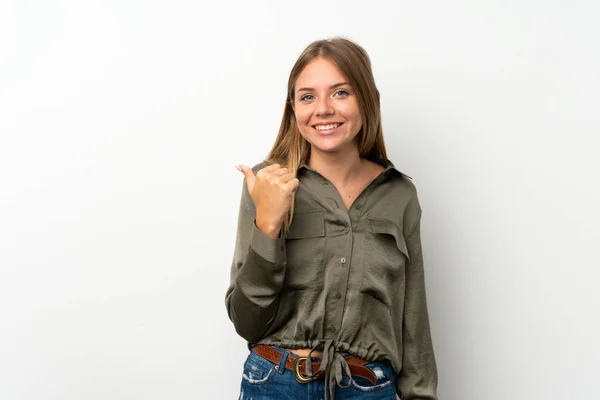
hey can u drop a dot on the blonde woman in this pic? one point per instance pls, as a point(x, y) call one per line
point(327, 282)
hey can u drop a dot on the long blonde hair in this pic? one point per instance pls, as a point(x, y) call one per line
point(290, 148)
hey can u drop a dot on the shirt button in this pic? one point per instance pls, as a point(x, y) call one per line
point(338, 295)
point(358, 206)
point(343, 260)
point(333, 329)
point(346, 230)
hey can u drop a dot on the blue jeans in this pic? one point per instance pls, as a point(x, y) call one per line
point(262, 381)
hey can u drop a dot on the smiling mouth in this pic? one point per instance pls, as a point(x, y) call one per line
point(327, 127)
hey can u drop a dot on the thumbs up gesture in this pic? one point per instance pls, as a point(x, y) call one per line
point(271, 190)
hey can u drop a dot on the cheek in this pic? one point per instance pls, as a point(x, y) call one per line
point(302, 116)
point(351, 112)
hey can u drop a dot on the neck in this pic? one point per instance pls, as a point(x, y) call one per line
point(341, 168)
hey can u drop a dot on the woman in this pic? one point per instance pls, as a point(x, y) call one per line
point(327, 280)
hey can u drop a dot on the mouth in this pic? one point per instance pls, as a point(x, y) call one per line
point(327, 128)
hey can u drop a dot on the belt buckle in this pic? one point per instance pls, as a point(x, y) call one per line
point(298, 375)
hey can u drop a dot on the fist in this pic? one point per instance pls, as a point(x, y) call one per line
point(271, 190)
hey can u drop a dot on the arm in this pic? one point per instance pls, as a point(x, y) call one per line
point(257, 273)
point(418, 377)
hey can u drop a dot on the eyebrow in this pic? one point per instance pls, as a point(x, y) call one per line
point(307, 89)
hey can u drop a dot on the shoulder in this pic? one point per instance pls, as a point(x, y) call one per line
point(402, 191)
point(406, 182)
point(401, 180)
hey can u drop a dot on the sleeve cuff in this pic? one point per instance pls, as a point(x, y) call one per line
point(272, 250)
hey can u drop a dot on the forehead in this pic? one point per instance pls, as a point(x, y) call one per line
point(320, 72)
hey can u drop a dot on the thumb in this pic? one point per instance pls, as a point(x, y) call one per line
point(249, 174)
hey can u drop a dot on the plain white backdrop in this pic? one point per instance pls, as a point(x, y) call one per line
point(121, 122)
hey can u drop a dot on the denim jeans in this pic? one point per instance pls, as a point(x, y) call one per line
point(262, 381)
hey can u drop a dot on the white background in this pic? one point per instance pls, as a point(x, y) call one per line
point(120, 125)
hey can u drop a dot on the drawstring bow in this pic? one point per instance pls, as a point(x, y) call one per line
point(331, 360)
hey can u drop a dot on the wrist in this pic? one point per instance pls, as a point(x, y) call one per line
point(270, 228)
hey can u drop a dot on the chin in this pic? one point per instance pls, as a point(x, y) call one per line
point(327, 144)
point(327, 148)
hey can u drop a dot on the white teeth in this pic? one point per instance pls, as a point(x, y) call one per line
point(326, 127)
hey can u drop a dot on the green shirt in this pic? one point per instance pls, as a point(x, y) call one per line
point(340, 280)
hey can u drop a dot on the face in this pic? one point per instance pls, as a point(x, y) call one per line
point(326, 107)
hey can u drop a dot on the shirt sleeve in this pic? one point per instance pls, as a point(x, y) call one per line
point(418, 378)
point(257, 274)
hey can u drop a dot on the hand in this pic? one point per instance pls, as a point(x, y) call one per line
point(271, 190)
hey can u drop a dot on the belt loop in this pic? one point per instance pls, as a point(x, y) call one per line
point(281, 366)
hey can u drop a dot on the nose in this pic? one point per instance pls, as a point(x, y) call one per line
point(324, 107)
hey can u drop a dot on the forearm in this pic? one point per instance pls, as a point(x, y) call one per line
point(418, 377)
point(257, 273)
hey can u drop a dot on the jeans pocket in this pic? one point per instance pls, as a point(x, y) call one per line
point(258, 371)
point(385, 380)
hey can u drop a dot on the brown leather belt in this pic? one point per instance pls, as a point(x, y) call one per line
point(298, 364)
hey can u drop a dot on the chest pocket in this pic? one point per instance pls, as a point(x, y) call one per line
point(305, 248)
point(385, 258)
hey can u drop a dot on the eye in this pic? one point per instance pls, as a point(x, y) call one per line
point(306, 97)
point(341, 93)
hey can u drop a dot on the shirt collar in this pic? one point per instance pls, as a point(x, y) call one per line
point(384, 162)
